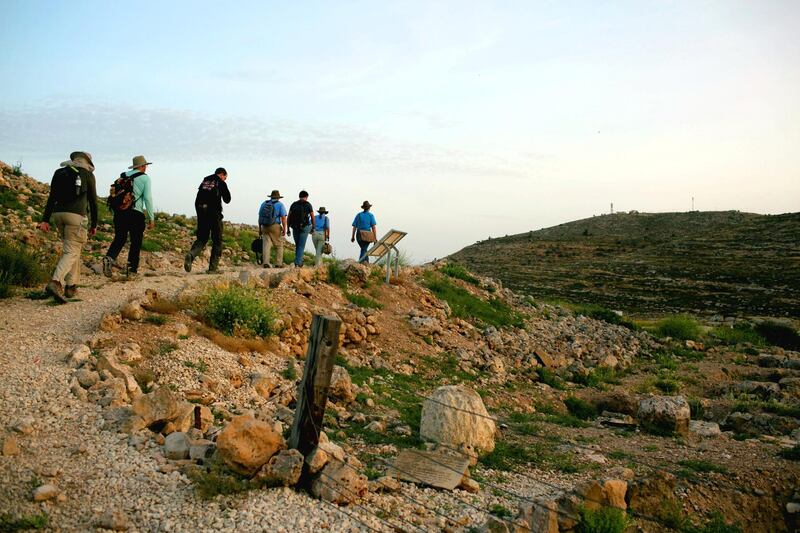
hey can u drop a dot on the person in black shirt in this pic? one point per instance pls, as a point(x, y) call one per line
point(210, 194)
point(301, 222)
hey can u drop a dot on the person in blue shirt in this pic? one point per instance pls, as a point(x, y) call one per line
point(322, 233)
point(272, 226)
point(365, 231)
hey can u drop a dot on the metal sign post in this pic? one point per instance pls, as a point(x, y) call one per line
point(384, 248)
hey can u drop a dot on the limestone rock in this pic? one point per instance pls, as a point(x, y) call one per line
point(316, 460)
point(332, 450)
point(186, 417)
point(115, 520)
point(704, 429)
point(132, 311)
point(78, 356)
point(128, 353)
point(45, 492)
point(425, 326)
point(25, 425)
point(246, 444)
point(110, 322)
point(201, 449)
point(384, 484)
point(541, 515)
point(263, 384)
point(454, 415)
point(341, 387)
point(158, 407)
point(86, 377)
point(118, 370)
point(176, 446)
point(283, 468)
point(10, 447)
point(665, 414)
point(339, 483)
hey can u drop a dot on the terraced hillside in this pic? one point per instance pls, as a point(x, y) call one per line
point(729, 262)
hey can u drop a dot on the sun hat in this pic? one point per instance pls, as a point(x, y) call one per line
point(275, 195)
point(322, 210)
point(78, 155)
point(366, 205)
point(140, 161)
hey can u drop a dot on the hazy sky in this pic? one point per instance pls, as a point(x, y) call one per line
point(457, 120)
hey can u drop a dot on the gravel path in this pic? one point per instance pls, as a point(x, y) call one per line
point(96, 470)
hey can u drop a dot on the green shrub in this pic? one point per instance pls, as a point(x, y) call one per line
point(702, 466)
point(500, 511)
point(465, 305)
point(738, 334)
point(18, 267)
point(681, 327)
point(16, 168)
point(716, 524)
point(23, 523)
point(667, 385)
point(158, 320)
point(454, 270)
point(580, 408)
point(219, 480)
point(238, 311)
point(149, 245)
point(336, 274)
point(602, 520)
point(363, 301)
point(779, 334)
point(597, 377)
point(289, 372)
point(548, 377)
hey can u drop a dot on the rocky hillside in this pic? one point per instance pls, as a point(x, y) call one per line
point(164, 404)
point(727, 263)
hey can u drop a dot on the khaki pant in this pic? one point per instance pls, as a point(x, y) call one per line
point(73, 231)
point(318, 238)
point(272, 235)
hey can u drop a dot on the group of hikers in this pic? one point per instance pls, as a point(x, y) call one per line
point(72, 207)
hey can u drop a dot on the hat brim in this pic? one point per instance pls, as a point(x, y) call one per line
point(142, 165)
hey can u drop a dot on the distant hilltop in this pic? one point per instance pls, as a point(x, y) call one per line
point(705, 262)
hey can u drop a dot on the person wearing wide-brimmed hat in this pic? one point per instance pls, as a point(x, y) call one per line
point(208, 205)
point(73, 194)
point(272, 226)
point(322, 233)
point(132, 221)
point(365, 231)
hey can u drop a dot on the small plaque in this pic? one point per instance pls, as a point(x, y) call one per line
point(443, 471)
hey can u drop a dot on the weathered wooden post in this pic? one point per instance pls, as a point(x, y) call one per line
point(313, 393)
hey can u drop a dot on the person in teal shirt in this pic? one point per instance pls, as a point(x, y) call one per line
point(131, 221)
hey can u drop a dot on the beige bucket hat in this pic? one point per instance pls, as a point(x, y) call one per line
point(140, 161)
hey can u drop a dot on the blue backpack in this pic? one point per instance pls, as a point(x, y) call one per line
point(266, 215)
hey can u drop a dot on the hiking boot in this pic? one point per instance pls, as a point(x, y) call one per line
point(130, 273)
point(70, 291)
point(187, 262)
point(267, 265)
point(107, 262)
point(54, 289)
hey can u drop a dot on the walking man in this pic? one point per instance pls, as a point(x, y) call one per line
point(322, 233)
point(365, 231)
point(129, 199)
point(272, 226)
point(208, 204)
point(301, 222)
point(72, 194)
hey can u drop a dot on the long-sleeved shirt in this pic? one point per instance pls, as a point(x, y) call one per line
point(63, 197)
point(212, 192)
point(143, 194)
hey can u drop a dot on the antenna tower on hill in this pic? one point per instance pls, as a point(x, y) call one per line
point(692, 203)
point(612, 208)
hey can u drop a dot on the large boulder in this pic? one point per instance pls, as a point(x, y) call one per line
point(339, 482)
point(246, 444)
point(665, 415)
point(455, 417)
point(176, 446)
point(118, 370)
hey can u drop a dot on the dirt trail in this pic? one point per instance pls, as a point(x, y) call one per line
point(94, 469)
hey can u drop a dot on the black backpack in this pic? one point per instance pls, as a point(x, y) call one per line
point(67, 184)
point(299, 215)
point(120, 196)
point(208, 191)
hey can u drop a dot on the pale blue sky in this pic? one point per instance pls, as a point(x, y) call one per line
point(458, 120)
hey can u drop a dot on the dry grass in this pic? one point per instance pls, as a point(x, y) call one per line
point(162, 307)
point(236, 344)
